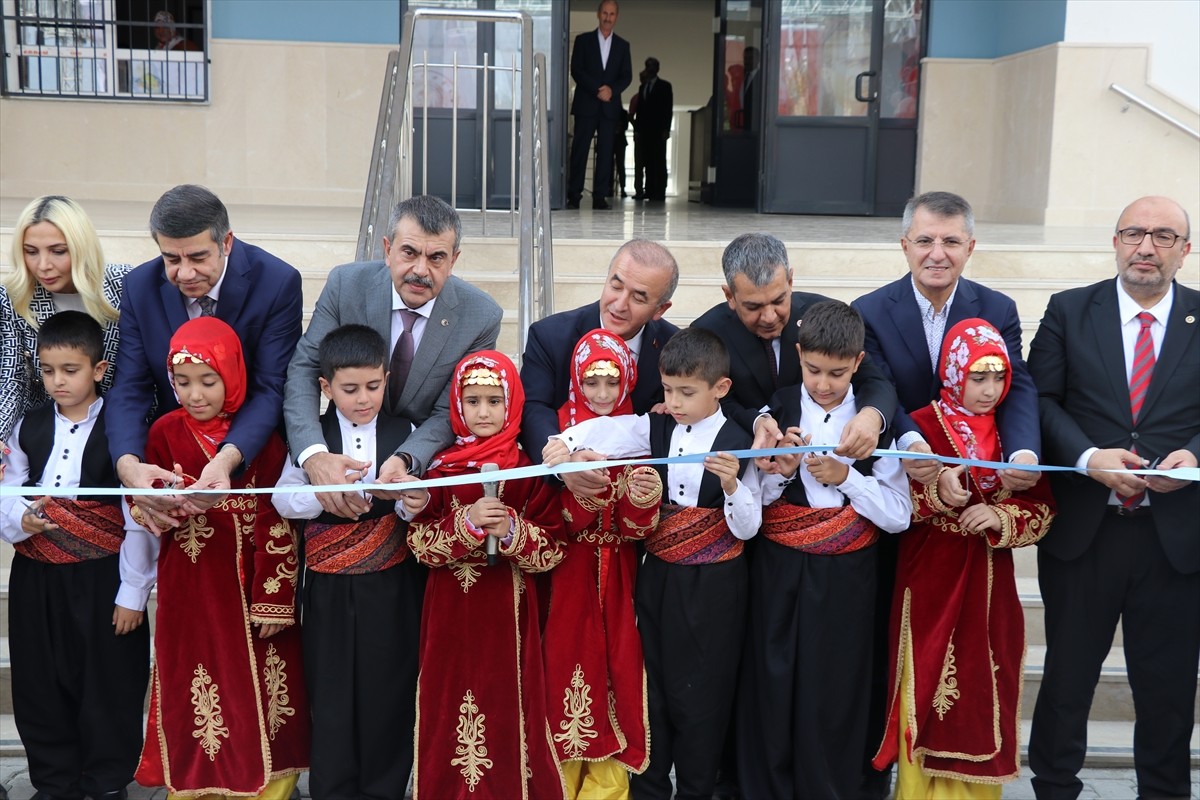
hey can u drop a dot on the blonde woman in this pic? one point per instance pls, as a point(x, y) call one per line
point(63, 270)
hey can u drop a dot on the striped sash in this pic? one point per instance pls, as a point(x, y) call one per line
point(87, 530)
point(821, 531)
point(690, 535)
point(354, 548)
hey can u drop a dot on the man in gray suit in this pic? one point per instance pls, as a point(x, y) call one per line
point(431, 319)
point(450, 318)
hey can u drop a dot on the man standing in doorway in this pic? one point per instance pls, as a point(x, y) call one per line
point(601, 69)
point(651, 129)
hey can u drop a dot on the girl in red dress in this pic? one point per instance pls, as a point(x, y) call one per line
point(228, 710)
point(482, 730)
point(595, 676)
point(958, 633)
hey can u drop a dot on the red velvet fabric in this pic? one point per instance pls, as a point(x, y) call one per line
point(229, 710)
point(482, 730)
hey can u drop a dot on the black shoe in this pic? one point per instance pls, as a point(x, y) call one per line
point(573, 203)
point(639, 196)
point(600, 204)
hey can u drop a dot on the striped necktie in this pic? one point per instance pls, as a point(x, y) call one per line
point(1139, 382)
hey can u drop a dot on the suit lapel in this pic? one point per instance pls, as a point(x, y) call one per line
point(1176, 343)
point(648, 380)
point(906, 318)
point(438, 328)
point(379, 304)
point(1105, 320)
point(174, 303)
point(789, 360)
point(235, 286)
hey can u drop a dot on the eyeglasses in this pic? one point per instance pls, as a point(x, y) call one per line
point(951, 245)
point(1161, 238)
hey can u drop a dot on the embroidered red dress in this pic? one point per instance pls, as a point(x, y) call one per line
point(956, 617)
point(482, 730)
point(595, 675)
point(228, 709)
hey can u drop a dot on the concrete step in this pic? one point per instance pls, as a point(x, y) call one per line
point(1110, 744)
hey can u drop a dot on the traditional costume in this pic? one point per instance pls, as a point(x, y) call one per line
point(957, 634)
point(802, 714)
point(228, 709)
point(595, 676)
point(362, 617)
point(77, 687)
point(691, 592)
point(482, 730)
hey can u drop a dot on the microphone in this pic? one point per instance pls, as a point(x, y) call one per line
point(491, 545)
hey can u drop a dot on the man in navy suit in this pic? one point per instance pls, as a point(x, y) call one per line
point(1117, 367)
point(906, 321)
point(203, 271)
point(642, 277)
point(601, 69)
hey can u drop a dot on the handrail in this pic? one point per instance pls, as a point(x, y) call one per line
point(392, 169)
point(1164, 116)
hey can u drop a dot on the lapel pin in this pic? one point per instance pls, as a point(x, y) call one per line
point(445, 323)
point(1189, 319)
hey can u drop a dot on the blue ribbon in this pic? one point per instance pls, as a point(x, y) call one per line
point(538, 471)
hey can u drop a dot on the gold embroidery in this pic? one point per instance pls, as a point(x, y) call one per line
point(655, 496)
point(577, 705)
point(947, 689)
point(635, 531)
point(191, 536)
point(206, 704)
point(241, 502)
point(271, 585)
point(277, 690)
point(472, 744)
point(467, 573)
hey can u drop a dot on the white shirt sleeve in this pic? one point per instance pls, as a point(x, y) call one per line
point(12, 507)
point(297, 505)
point(625, 436)
point(883, 498)
point(138, 563)
point(743, 508)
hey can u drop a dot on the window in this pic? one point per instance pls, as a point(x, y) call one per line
point(128, 49)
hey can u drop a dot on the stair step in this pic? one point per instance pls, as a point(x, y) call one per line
point(1110, 744)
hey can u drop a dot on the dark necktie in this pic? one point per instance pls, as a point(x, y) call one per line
point(1139, 382)
point(769, 349)
point(402, 358)
point(208, 306)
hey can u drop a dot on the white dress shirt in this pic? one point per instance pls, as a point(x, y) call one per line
point(883, 498)
point(139, 551)
point(628, 436)
point(194, 311)
point(605, 48)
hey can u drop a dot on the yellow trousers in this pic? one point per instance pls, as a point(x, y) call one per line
point(278, 789)
point(596, 780)
point(911, 782)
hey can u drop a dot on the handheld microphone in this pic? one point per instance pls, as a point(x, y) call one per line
point(491, 545)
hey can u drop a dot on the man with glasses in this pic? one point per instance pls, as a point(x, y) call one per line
point(906, 321)
point(1117, 366)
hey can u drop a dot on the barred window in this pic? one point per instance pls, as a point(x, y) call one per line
point(127, 49)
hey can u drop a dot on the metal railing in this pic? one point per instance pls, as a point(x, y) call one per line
point(393, 164)
point(1164, 116)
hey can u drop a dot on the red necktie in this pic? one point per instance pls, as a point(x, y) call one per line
point(402, 358)
point(1139, 382)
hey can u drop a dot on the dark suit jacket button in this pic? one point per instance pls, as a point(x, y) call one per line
point(1134, 435)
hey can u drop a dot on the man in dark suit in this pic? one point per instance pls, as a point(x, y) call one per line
point(642, 277)
point(1117, 367)
point(203, 271)
point(651, 129)
point(758, 323)
point(601, 69)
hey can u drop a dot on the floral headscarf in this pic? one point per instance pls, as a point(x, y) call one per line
point(487, 367)
point(208, 340)
point(604, 353)
point(973, 345)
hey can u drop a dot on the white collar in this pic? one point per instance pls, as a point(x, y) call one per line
point(93, 412)
point(1128, 308)
point(425, 310)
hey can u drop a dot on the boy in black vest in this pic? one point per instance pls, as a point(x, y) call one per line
point(692, 585)
point(802, 711)
point(80, 579)
point(362, 592)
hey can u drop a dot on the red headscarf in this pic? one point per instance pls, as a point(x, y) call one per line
point(968, 344)
point(208, 340)
point(595, 346)
point(469, 451)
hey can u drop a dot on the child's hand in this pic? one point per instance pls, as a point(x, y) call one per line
point(126, 620)
point(979, 518)
point(268, 629)
point(644, 483)
point(950, 490)
point(489, 514)
point(724, 466)
point(786, 465)
point(33, 521)
point(414, 500)
point(555, 452)
point(826, 469)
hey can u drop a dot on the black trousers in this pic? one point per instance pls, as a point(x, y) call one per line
point(802, 708)
point(692, 621)
point(587, 127)
point(78, 688)
point(360, 657)
point(1126, 575)
point(653, 149)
